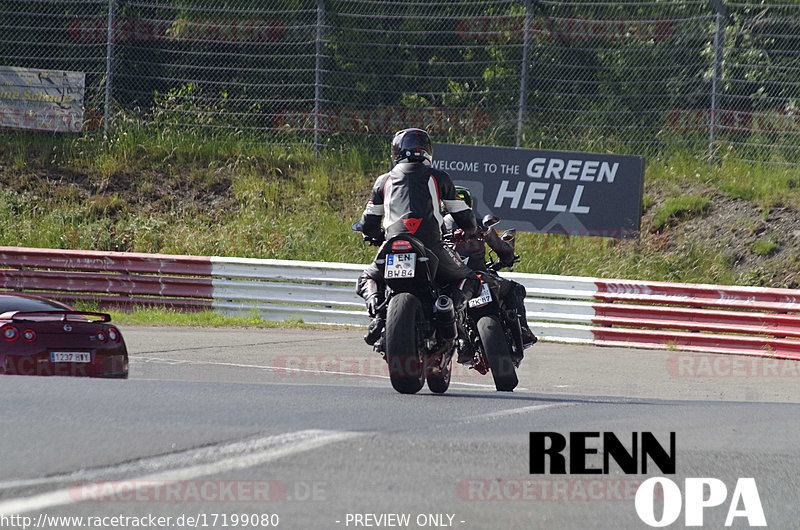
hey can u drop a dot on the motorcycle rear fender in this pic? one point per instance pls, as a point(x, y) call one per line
point(493, 307)
point(429, 266)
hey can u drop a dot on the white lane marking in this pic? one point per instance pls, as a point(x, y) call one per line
point(285, 369)
point(521, 410)
point(154, 463)
point(220, 458)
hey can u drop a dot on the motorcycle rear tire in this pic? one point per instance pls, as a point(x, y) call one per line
point(404, 322)
point(439, 382)
point(494, 345)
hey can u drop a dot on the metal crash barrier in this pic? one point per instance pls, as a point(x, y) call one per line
point(629, 313)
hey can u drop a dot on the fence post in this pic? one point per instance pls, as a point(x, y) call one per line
point(523, 82)
point(109, 64)
point(318, 72)
point(719, 43)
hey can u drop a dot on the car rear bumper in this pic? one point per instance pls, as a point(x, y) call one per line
point(101, 365)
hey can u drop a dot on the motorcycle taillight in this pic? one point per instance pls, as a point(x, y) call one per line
point(401, 245)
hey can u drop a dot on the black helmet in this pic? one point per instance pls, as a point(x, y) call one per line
point(413, 145)
point(464, 194)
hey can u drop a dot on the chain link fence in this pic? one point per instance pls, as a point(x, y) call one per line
point(648, 77)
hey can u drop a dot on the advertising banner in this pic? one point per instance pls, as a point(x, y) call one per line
point(44, 100)
point(556, 192)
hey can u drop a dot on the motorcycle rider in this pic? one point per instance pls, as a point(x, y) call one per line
point(472, 250)
point(408, 199)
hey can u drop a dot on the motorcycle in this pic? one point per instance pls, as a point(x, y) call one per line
point(494, 332)
point(420, 333)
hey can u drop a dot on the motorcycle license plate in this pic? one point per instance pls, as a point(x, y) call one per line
point(400, 265)
point(484, 298)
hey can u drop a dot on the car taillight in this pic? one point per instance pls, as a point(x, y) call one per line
point(10, 333)
point(29, 335)
point(113, 334)
point(101, 336)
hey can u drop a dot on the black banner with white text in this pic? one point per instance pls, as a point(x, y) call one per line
point(557, 192)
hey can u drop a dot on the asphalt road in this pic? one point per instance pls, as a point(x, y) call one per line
point(249, 428)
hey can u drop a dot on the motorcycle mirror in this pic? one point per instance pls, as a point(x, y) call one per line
point(357, 226)
point(490, 220)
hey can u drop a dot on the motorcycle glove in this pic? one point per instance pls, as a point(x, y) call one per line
point(372, 305)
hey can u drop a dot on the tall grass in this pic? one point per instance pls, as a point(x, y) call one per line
point(178, 191)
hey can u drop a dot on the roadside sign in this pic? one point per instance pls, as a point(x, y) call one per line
point(556, 192)
point(44, 100)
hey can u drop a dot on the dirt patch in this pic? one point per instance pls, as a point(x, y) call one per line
point(761, 247)
point(148, 191)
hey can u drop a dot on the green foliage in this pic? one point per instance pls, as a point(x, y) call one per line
point(177, 191)
point(765, 247)
point(607, 258)
point(766, 186)
point(154, 316)
point(633, 77)
point(680, 208)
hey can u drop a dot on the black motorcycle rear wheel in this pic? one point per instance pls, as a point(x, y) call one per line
point(496, 349)
point(404, 322)
point(439, 381)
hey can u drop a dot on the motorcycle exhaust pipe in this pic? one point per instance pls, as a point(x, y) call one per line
point(445, 317)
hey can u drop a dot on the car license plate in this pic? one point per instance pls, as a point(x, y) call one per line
point(400, 265)
point(70, 357)
point(484, 298)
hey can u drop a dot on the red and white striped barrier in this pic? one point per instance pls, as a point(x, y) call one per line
point(680, 316)
point(111, 278)
point(276, 289)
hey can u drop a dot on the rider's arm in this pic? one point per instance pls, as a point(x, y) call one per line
point(503, 250)
point(373, 213)
point(462, 214)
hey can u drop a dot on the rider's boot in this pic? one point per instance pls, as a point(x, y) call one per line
point(528, 338)
point(460, 295)
point(373, 297)
point(374, 330)
point(466, 351)
point(517, 301)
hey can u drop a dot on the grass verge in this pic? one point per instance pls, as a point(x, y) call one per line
point(179, 192)
point(154, 316)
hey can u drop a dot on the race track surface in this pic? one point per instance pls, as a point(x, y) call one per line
point(221, 428)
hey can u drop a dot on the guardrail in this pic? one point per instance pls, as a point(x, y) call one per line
point(680, 316)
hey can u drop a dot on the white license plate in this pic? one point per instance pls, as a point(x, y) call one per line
point(400, 265)
point(70, 357)
point(484, 298)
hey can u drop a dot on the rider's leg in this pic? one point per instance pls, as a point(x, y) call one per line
point(453, 271)
point(513, 294)
point(516, 299)
point(466, 284)
point(370, 287)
